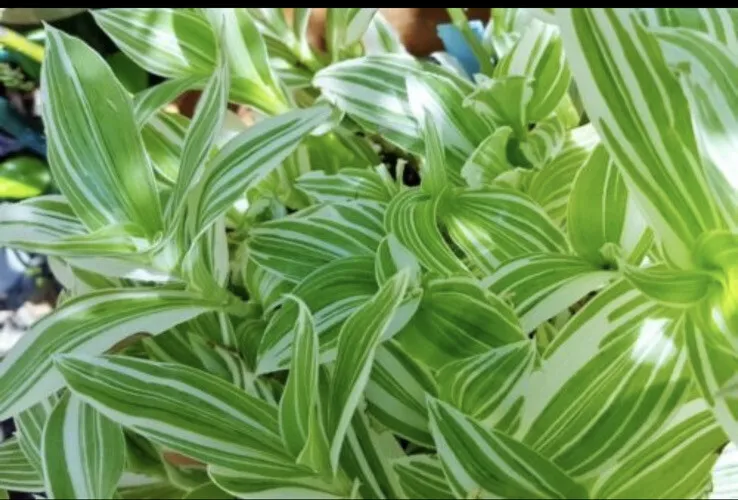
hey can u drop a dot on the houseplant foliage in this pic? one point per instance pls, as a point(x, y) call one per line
point(273, 311)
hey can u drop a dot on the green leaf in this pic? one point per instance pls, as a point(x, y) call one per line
point(267, 478)
point(541, 285)
point(294, 246)
point(601, 211)
point(89, 324)
point(481, 462)
point(456, 319)
point(23, 177)
point(95, 151)
point(489, 387)
point(300, 420)
point(489, 159)
point(422, 476)
point(248, 157)
point(538, 54)
point(706, 69)
point(333, 292)
point(357, 344)
point(133, 78)
point(395, 393)
point(411, 216)
point(642, 116)
point(675, 462)
point(163, 136)
point(172, 43)
point(372, 91)
point(493, 225)
point(83, 451)
point(552, 184)
point(391, 257)
point(344, 27)
point(17, 473)
point(347, 185)
point(615, 375)
point(148, 102)
point(30, 427)
point(202, 416)
point(199, 140)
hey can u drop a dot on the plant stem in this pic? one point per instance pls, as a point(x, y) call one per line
point(21, 44)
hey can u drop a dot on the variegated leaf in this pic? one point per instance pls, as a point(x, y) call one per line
point(88, 324)
point(83, 452)
point(95, 150)
point(481, 462)
point(456, 319)
point(183, 409)
point(356, 350)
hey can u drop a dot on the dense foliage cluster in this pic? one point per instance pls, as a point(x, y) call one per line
point(403, 281)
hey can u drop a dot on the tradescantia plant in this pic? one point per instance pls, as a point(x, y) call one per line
point(278, 311)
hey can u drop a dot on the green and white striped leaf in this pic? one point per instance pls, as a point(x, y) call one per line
point(489, 159)
point(396, 391)
point(456, 319)
point(541, 285)
point(183, 409)
point(381, 37)
point(295, 246)
point(412, 217)
point(643, 120)
point(615, 375)
point(268, 478)
point(391, 257)
point(347, 185)
point(707, 69)
point(489, 387)
point(83, 451)
point(552, 184)
point(673, 287)
point(163, 136)
point(248, 157)
point(673, 463)
point(436, 102)
point(422, 476)
point(47, 224)
point(300, 419)
point(88, 324)
point(333, 292)
point(366, 456)
point(601, 211)
point(172, 43)
point(718, 23)
point(247, 56)
point(16, 472)
point(148, 102)
point(357, 344)
point(95, 151)
point(30, 427)
point(199, 139)
point(544, 142)
point(484, 463)
point(714, 362)
point(538, 54)
point(345, 27)
point(492, 225)
point(371, 90)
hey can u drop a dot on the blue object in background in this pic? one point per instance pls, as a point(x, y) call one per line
point(455, 44)
point(12, 123)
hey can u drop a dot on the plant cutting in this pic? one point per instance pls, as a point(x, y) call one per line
point(403, 280)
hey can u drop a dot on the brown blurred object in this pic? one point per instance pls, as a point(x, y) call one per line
point(175, 458)
point(416, 28)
